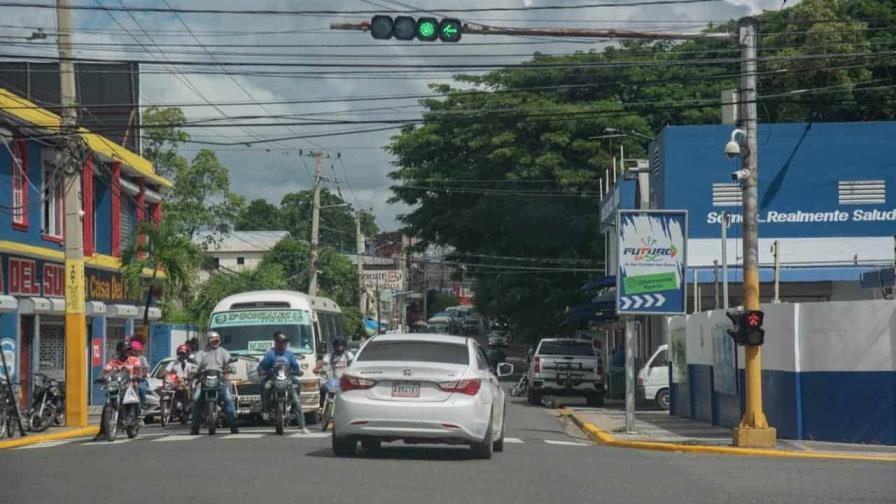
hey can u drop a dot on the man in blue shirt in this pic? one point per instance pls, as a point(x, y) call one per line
point(281, 353)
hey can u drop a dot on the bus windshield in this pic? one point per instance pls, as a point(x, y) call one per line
point(251, 331)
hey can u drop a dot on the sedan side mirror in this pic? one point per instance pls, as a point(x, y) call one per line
point(504, 369)
point(232, 360)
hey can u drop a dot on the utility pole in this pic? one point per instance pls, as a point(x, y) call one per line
point(69, 167)
point(753, 429)
point(315, 226)
point(725, 222)
point(359, 250)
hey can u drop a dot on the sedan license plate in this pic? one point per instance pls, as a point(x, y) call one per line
point(406, 389)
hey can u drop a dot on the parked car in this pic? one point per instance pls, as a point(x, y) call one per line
point(653, 379)
point(420, 389)
point(498, 339)
point(566, 367)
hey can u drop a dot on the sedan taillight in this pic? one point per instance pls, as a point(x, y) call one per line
point(347, 383)
point(537, 364)
point(468, 387)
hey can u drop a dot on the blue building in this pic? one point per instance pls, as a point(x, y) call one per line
point(119, 190)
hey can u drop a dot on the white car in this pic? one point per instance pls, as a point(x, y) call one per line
point(653, 379)
point(420, 388)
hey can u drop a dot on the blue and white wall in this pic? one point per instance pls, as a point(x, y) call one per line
point(829, 370)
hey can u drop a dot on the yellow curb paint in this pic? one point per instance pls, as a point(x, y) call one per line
point(605, 438)
point(42, 438)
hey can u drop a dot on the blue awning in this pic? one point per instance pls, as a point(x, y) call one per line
point(600, 283)
point(876, 279)
point(597, 312)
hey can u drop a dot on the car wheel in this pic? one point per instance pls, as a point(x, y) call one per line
point(344, 447)
point(662, 399)
point(483, 449)
point(498, 445)
point(596, 400)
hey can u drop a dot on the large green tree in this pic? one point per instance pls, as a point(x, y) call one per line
point(162, 134)
point(225, 283)
point(259, 215)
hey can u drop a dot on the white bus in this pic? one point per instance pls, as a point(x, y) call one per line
point(247, 323)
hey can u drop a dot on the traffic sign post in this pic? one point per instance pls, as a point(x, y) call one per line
point(650, 277)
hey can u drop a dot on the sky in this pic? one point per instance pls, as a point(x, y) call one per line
point(357, 163)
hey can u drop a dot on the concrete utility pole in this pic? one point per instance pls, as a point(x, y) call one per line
point(725, 222)
point(359, 250)
point(753, 430)
point(69, 168)
point(315, 227)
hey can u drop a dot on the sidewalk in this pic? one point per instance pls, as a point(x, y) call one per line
point(56, 433)
point(656, 429)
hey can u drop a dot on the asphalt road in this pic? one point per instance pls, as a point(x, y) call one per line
point(545, 461)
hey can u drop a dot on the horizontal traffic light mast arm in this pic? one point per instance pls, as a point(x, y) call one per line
point(610, 33)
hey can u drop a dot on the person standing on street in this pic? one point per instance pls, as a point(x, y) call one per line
point(214, 358)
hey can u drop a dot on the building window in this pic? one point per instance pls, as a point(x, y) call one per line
point(51, 201)
point(862, 192)
point(19, 185)
point(240, 261)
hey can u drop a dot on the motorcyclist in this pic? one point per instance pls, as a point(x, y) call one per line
point(122, 359)
point(214, 358)
point(336, 361)
point(135, 349)
point(281, 352)
point(183, 369)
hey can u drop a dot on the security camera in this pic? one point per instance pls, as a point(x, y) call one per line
point(732, 148)
point(740, 175)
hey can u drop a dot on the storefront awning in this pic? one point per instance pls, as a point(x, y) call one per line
point(42, 305)
point(154, 313)
point(600, 283)
point(122, 311)
point(94, 308)
point(8, 304)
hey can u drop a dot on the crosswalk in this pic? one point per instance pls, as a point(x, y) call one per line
point(250, 435)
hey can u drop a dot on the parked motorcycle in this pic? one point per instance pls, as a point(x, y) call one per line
point(521, 387)
point(122, 404)
point(326, 415)
point(210, 381)
point(47, 405)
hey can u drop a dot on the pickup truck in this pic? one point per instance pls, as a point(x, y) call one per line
point(566, 367)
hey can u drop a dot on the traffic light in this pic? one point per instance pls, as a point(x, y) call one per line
point(747, 327)
point(425, 29)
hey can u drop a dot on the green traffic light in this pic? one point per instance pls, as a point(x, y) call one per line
point(450, 30)
point(427, 29)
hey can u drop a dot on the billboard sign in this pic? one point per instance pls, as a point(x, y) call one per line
point(388, 279)
point(652, 261)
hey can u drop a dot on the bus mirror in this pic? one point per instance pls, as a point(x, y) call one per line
point(322, 347)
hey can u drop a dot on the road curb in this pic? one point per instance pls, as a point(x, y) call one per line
point(603, 437)
point(43, 438)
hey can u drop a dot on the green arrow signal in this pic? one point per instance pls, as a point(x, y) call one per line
point(450, 30)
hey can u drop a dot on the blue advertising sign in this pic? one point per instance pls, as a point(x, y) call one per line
point(652, 262)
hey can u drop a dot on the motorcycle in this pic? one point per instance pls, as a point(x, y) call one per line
point(173, 400)
point(278, 398)
point(326, 415)
point(48, 405)
point(521, 387)
point(210, 386)
point(122, 404)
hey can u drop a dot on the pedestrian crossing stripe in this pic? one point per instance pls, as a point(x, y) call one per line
point(48, 444)
point(513, 440)
point(564, 443)
point(244, 436)
point(178, 437)
point(313, 435)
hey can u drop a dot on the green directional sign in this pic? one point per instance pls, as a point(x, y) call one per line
point(427, 29)
point(450, 30)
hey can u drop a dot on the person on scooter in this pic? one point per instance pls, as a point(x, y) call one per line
point(214, 358)
point(266, 367)
point(336, 361)
point(122, 359)
point(183, 369)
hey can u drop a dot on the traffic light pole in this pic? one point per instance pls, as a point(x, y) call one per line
point(69, 168)
point(753, 430)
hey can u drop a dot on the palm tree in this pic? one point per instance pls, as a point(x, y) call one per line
point(172, 258)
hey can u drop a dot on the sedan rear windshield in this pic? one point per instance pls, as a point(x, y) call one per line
point(581, 348)
point(415, 351)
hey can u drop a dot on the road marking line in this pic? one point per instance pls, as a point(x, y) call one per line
point(48, 444)
point(564, 443)
point(107, 443)
point(313, 435)
point(175, 437)
point(513, 440)
point(243, 436)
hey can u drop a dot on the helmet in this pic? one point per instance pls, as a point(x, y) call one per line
point(212, 335)
point(183, 349)
point(121, 347)
point(136, 345)
point(280, 337)
point(337, 342)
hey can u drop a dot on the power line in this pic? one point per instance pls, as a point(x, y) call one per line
point(307, 12)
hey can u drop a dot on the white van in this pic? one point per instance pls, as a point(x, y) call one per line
point(653, 379)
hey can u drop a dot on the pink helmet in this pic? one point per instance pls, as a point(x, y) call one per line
point(136, 345)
